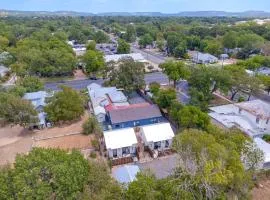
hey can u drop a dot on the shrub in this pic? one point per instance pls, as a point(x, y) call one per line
point(266, 138)
point(93, 155)
point(91, 126)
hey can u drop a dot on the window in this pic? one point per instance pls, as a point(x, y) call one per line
point(117, 126)
point(157, 145)
point(115, 153)
point(125, 150)
point(167, 143)
point(137, 123)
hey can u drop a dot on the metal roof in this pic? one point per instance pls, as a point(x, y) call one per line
point(133, 114)
point(158, 132)
point(125, 174)
point(37, 98)
point(120, 138)
point(116, 57)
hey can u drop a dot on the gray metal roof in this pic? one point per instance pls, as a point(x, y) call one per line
point(134, 113)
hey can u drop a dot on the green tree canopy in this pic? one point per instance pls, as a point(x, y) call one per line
point(66, 105)
point(16, 111)
point(146, 40)
point(123, 47)
point(31, 84)
point(94, 61)
point(45, 174)
point(127, 74)
point(175, 70)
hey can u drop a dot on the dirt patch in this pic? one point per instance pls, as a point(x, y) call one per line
point(63, 130)
point(67, 142)
point(262, 191)
point(79, 75)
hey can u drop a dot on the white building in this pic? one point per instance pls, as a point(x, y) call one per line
point(252, 117)
point(104, 96)
point(157, 136)
point(3, 71)
point(202, 58)
point(120, 143)
point(38, 100)
point(265, 148)
point(135, 56)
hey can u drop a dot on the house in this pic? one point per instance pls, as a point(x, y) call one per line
point(202, 58)
point(125, 174)
point(157, 136)
point(38, 99)
point(263, 71)
point(115, 58)
point(134, 116)
point(265, 148)
point(120, 143)
point(104, 96)
point(224, 56)
point(252, 117)
point(3, 71)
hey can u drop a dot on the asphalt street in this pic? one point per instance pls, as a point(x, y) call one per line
point(82, 84)
point(154, 58)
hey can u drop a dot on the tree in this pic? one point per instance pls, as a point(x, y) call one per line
point(266, 82)
point(165, 98)
point(146, 40)
point(32, 84)
point(144, 187)
point(94, 61)
point(123, 47)
point(101, 37)
point(91, 45)
point(213, 47)
point(210, 165)
point(230, 40)
point(193, 117)
point(130, 35)
point(175, 71)
point(66, 105)
point(161, 44)
point(4, 42)
point(127, 74)
point(154, 88)
point(91, 126)
point(173, 40)
point(181, 50)
point(16, 111)
point(45, 174)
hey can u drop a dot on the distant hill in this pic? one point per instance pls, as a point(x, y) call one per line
point(151, 14)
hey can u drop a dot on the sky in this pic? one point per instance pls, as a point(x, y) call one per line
point(165, 6)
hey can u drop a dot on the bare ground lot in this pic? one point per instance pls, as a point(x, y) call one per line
point(66, 142)
point(262, 192)
point(17, 140)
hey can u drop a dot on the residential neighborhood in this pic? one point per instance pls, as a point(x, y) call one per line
point(134, 105)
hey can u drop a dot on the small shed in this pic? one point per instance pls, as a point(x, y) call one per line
point(157, 136)
point(120, 143)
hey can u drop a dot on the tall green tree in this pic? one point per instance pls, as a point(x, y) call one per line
point(130, 35)
point(127, 74)
point(175, 70)
point(66, 105)
point(45, 174)
point(123, 47)
point(31, 84)
point(94, 61)
point(146, 40)
point(16, 111)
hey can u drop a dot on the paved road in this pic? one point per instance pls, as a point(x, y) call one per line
point(82, 84)
point(158, 77)
point(154, 58)
point(76, 84)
